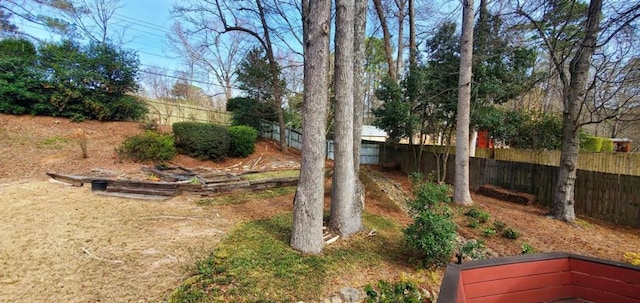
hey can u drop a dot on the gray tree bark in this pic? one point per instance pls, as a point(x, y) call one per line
point(573, 97)
point(401, 15)
point(413, 48)
point(306, 233)
point(358, 92)
point(346, 216)
point(461, 192)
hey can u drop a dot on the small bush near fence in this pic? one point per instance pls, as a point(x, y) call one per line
point(433, 231)
point(202, 140)
point(592, 144)
point(148, 146)
point(607, 146)
point(242, 140)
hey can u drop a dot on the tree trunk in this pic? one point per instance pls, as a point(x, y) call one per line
point(358, 92)
point(306, 233)
point(472, 143)
point(275, 81)
point(358, 78)
point(386, 36)
point(563, 200)
point(346, 216)
point(413, 48)
point(401, 15)
point(461, 192)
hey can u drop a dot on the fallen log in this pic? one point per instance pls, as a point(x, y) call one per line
point(217, 178)
point(227, 186)
point(71, 179)
point(144, 191)
point(275, 180)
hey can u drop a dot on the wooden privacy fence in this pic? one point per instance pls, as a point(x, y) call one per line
point(167, 113)
point(614, 163)
point(610, 197)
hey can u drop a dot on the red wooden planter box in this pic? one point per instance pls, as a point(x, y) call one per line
point(545, 277)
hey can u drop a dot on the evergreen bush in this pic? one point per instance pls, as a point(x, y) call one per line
point(202, 140)
point(592, 144)
point(607, 146)
point(242, 140)
point(393, 292)
point(433, 231)
point(148, 146)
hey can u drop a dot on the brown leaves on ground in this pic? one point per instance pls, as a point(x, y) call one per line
point(66, 244)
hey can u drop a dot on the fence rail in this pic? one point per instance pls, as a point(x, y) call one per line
point(613, 163)
point(610, 197)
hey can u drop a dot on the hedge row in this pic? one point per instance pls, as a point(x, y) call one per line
point(205, 141)
point(215, 142)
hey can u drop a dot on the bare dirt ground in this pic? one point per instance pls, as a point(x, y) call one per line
point(67, 244)
point(586, 237)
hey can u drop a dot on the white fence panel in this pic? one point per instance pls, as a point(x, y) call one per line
point(369, 152)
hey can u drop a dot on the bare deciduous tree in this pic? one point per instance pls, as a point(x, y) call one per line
point(215, 54)
point(91, 19)
point(247, 17)
point(586, 59)
point(386, 38)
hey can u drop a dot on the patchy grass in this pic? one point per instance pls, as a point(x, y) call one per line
point(271, 175)
point(54, 142)
point(254, 263)
point(245, 196)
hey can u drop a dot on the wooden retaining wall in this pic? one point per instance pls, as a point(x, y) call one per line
point(609, 197)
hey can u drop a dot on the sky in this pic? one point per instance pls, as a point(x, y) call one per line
point(146, 24)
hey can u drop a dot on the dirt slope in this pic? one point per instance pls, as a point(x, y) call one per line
point(67, 244)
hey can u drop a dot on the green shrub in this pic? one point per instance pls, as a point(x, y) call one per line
point(488, 232)
point(592, 144)
point(481, 215)
point(126, 107)
point(472, 222)
point(527, 248)
point(393, 292)
point(428, 195)
point(473, 249)
point(499, 225)
point(77, 118)
point(510, 233)
point(202, 140)
point(607, 145)
point(148, 146)
point(242, 140)
point(433, 231)
point(251, 112)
